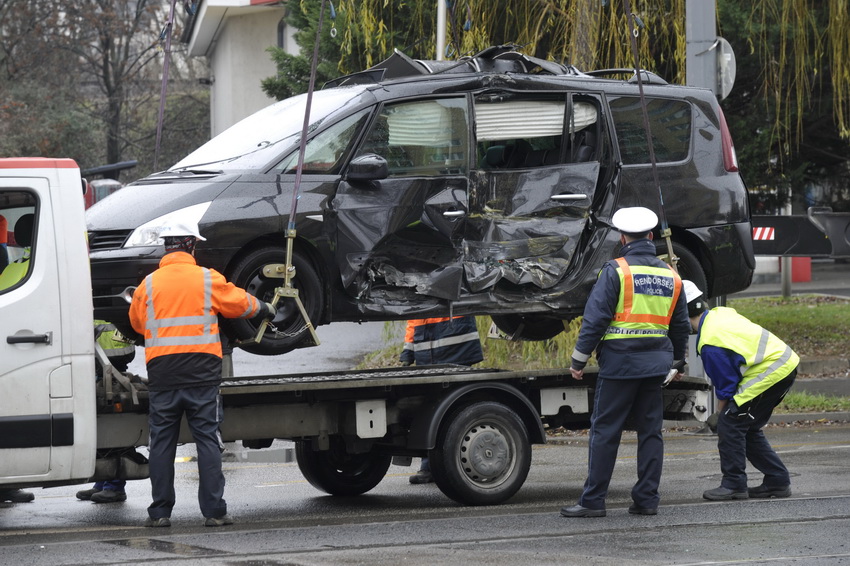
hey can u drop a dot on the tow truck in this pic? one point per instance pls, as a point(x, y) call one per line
point(61, 425)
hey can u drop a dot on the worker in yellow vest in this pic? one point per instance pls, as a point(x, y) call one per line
point(752, 370)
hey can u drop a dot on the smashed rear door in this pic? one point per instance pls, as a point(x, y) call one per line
point(538, 167)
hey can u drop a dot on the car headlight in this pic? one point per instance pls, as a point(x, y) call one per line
point(148, 233)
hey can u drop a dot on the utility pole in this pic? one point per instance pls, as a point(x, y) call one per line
point(701, 35)
point(441, 29)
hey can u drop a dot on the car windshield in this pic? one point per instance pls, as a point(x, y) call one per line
point(259, 139)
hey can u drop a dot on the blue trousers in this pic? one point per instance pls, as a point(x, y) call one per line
point(740, 438)
point(202, 407)
point(615, 401)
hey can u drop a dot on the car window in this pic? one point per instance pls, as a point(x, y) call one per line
point(670, 123)
point(518, 133)
point(325, 152)
point(17, 234)
point(421, 138)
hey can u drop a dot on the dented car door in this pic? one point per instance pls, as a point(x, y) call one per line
point(536, 178)
point(401, 231)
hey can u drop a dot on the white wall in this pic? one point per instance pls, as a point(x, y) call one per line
point(239, 61)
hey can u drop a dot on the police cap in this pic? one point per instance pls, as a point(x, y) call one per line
point(634, 220)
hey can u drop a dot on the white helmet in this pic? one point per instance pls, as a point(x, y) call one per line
point(178, 228)
point(694, 297)
point(691, 290)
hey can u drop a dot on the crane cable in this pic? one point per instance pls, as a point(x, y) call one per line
point(287, 270)
point(671, 259)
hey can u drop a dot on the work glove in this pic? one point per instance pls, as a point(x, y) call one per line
point(272, 311)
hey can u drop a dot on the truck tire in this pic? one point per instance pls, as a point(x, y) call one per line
point(483, 454)
point(336, 472)
point(288, 329)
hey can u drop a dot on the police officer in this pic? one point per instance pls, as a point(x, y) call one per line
point(442, 340)
point(752, 370)
point(176, 309)
point(636, 320)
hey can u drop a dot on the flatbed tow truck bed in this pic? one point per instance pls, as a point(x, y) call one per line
point(476, 425)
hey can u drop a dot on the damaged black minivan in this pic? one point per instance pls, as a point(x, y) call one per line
point(482, 186)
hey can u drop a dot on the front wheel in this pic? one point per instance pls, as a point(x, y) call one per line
point(337, 472)
point(482, 455)
point(288, 330)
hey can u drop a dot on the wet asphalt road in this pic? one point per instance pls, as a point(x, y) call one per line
point(282, 520)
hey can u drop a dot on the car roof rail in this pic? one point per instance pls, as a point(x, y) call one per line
point(647, 77)
point(494, 59)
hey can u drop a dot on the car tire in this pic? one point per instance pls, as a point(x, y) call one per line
point(688, 265)
point(288, 330)
point(528, 326)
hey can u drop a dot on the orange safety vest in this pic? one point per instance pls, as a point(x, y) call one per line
point(176, 307)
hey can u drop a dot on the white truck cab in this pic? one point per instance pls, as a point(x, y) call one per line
point(47, 375)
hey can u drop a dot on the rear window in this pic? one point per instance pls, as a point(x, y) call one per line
point(669, 120)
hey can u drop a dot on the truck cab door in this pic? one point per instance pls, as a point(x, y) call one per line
point(47, 405)
point(400, 231)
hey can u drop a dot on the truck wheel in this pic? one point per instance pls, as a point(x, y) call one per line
point(288, 329)
point(336, 472)
point(482, 455)
point(528, 326)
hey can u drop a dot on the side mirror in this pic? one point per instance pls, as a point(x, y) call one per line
point(368, 167)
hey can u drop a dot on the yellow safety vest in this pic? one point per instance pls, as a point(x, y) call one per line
point(767, 359)
point(648, 296)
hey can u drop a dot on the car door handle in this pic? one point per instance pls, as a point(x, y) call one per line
point(46, 338)
point(453, 213)
point(569, 197)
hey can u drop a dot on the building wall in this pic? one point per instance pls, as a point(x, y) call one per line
point(239, 61)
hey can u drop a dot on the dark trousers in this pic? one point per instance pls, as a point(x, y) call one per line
point(202, 406)
point(615, 401)
point(740, 438)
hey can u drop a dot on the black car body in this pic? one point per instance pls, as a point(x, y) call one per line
point(484, 186)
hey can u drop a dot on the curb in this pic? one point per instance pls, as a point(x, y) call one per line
point(791, 418)
point(815, 366)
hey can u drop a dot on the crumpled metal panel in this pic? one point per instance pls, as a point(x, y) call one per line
point(421, 235)
point(522, 235)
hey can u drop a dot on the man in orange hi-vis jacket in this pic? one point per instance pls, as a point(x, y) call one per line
point(176, 309)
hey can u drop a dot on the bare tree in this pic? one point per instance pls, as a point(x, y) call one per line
point(82, 79)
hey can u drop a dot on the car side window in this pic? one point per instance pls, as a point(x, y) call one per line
point(325, 152)
point(17, 237)
point(517, 133)
point(669, 120)
point(424, 138)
